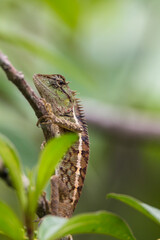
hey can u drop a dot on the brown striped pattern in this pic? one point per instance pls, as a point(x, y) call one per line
point(68, 170)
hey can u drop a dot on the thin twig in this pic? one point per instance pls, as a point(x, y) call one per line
point(17, 78)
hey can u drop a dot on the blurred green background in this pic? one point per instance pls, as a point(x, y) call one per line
point(109, 50)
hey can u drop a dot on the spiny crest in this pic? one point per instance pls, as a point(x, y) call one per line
point(81, 115)
point(74, 92)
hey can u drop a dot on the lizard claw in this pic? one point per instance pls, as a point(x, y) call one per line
point(46, 119)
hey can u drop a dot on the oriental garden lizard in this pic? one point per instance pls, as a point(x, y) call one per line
point(65, 114)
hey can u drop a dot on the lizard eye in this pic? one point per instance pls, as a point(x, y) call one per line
point(60, 82)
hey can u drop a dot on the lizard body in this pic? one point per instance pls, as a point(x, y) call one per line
point(65, 114)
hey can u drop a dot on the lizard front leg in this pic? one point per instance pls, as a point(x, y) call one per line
point(60, 121)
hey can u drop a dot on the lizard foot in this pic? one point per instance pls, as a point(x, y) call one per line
point(46, 119)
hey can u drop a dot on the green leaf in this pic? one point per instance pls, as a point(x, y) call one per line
point(49, 158)
point(100, 223)
point(149, 211)
point(9, 223)
point(10, 158)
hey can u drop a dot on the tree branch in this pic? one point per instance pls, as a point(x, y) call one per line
point(123, 122)
point(17, 78)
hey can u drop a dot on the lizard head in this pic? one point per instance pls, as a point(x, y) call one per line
point(56, 91)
